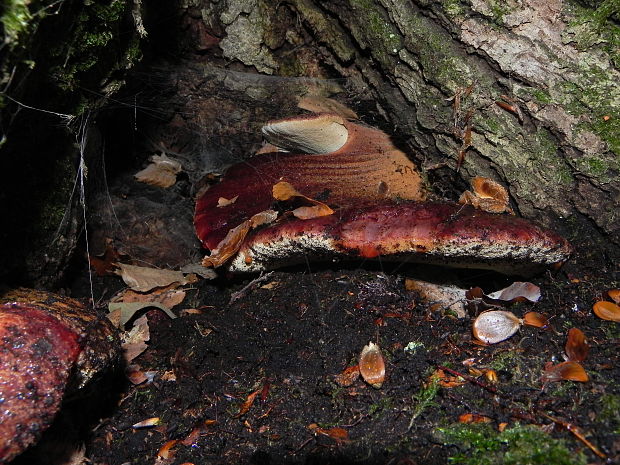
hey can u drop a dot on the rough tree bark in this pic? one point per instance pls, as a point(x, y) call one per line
point(537, 82)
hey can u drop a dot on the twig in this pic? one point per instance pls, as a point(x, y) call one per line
point(248, 287)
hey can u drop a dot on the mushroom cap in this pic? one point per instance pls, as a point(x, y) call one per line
point(366, 170)
point(422, 232)
point(313, 134)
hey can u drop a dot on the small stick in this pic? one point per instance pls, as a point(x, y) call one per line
point(248, 287)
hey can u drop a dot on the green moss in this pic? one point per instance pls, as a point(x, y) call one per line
point(609, 410)
point(499, 9)
point(424, 398)
point(383, 405)
point(480, 444)
point(15, 19)
point(383, 37)
point(453, 8)
point(545, 151)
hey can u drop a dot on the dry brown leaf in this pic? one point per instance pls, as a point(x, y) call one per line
point(607, 311)
point(134, 341)
point(105, 264)
point(487, 195)
point(166, 452)
point(348, 376)
point(446, 380)
point(517, 292)
point(247, 404)
point(371, 365)
point(495, 326)
point(576, 345)
point(439, 297)
point(143, 279)
point(339, 434)
point(168, 296)
point(565, 371)
point(320, 104)
point(121, 312)
point(222, 202)
point(538, 320)
point(230, 245)
point(614, 294)
point(474, 418)
point(285, 191)
point(135, 374)
point(148, 423)
point(315, 211)
point(162, 172)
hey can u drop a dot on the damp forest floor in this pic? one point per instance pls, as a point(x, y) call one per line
point(248, 372)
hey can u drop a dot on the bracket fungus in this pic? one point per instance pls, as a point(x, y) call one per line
point(51, 345)
point(379, 203)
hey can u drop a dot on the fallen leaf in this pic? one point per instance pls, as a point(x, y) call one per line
point(339, 434)
point(148, 423)
point(135, 374)
point(371, 365)
point(607, 311)
point(134, 341)
point(105, 264)
point(487, 195)
point(197, 431)
point(474, 418)
point(445, 380)
point(348, 376)
point(517, 292)
point(166, 452)
point(439, 297)
point(143, 279)
point(230, 245)
point(247, 404)
point(121, 312)
point(285, 191)
point(565, 371)
point(222, 202)
point(495, 326)
point(538, 320)
point(200, 270)
point(168, 296)
point(162, 172)
point(576, 345)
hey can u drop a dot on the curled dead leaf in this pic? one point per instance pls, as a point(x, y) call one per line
point(230, 245)
point(607, 311)
point(487, 195)
point(285, 191)
point(474, 418)
point(538, 320)
point(339, 434)
point(576, 345)
point(148, 423)
point(371, 365)
point(162, 172)
point(445, 380)
point(348, 376)
point(565, 371)
point(143, 279)
point(166, 452)
point(247, 404)
point(495, 326)
point(439, 297)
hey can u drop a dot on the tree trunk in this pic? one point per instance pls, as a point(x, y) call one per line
point(526, 93)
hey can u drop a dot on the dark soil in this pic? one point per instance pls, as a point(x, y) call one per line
point(285, 338)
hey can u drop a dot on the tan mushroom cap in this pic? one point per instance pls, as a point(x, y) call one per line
point(312, 134)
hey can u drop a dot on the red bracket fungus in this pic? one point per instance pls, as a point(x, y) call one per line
point(378, 199)
point(50, 344)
